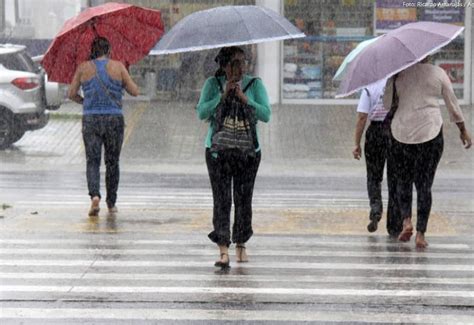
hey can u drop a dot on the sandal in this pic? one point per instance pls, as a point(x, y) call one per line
point(222, 264)
point(239, 254)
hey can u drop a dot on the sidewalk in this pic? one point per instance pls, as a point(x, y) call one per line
point(307, 177)
point(167, 137)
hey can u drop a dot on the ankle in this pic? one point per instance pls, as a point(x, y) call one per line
point(407, 223)
point(241, 253)
point(223, 249)
point(224, 257)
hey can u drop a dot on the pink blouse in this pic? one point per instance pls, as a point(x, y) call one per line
point(418, 117)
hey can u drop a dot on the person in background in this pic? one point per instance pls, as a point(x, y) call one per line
point(102, 81)
point(232, 166)
point(376, 150)
point(417, 138)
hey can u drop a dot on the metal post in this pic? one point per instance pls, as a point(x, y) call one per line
point(2, 16)
point(17, 12)
point(151, 84)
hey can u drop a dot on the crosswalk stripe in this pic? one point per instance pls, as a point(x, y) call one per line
point(255, 252)
point(239, 290)
point(351, 270)
point(273, 196)
point(256, 265)
point(258, 242)
point(189, 204)
point(229, 315)
point(235, 278)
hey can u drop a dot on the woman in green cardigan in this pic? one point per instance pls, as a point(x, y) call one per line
point(232, 166)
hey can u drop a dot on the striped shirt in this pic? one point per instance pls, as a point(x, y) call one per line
point(371, 101)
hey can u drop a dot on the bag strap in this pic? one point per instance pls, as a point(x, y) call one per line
point(249, 84)
point(372, 104)
point(367, 91)
point(104, 87)
point(394, 106)
point(221, 89)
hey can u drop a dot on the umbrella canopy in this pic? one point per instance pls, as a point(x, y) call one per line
point(132, 31)
point(394, 52)
point(341, 71)
point(226, 26)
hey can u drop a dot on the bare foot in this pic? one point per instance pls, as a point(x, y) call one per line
point(94, 209)
point(113, 209)
point(241, 253)
point(407, 231)
point(420, 240)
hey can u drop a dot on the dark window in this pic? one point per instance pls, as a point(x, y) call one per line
point(17, 61)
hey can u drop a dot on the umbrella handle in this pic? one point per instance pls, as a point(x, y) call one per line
point(92, 23)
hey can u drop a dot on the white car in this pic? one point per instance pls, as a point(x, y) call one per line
point(25, 94)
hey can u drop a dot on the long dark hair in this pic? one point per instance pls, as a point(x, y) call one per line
point(100, 46)
point(224, 56)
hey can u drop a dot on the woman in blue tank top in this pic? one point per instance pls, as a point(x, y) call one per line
point(102, 81)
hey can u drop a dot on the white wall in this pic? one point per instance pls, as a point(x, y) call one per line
point(45, 17)
point(10, 12)
point(269, 58)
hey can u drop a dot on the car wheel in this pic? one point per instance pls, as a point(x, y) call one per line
point(6, 128)
point(17, 133)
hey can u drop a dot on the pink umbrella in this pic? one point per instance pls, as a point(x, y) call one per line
point(394, 52)
point(132, 31)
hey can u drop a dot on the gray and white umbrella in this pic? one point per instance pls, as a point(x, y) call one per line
point(225, 26)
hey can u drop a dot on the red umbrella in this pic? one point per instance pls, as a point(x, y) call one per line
point(131, 30)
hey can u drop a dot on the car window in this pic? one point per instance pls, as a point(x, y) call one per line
point(32, 67)
point(17, 61)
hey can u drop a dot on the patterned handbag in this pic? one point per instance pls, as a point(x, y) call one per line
point(235, 125)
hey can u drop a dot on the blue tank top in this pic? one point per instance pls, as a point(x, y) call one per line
point(96, 99)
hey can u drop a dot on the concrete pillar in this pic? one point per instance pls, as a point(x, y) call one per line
point(469, 20)
point(269, 57)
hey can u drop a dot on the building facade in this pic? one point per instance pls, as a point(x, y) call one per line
point(295, 71)
point(335, 27)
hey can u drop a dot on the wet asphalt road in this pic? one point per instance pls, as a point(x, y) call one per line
point(115, 277)
point(311, 259)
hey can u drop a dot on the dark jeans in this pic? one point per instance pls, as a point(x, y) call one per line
point(377, 152)
point(416, 164)
point(106, 130)
point(241, 170)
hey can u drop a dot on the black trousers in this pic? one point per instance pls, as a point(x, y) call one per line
point(417, 164)
point(107, 131)
point(377, 152)
point(232, 171)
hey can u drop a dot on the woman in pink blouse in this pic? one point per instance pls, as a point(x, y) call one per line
point(417, 143)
